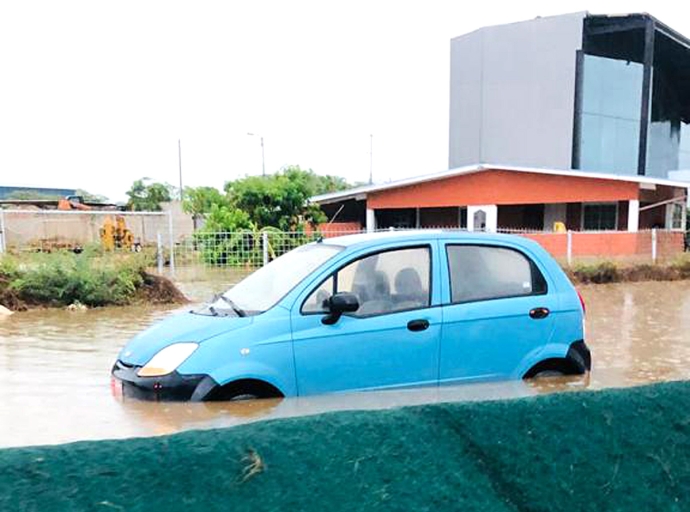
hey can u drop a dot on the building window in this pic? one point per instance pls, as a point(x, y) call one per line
point(677, 216)
point(600, 217)
point(610, 118)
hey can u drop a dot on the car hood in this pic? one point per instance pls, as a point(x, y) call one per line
point(176, 329)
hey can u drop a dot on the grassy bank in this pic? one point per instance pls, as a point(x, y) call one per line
point(611, 272)
point(64, 278)
point(611, 450)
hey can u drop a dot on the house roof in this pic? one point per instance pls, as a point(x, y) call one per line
point(361, 192)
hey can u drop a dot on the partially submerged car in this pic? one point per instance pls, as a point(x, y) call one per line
point(364, 312)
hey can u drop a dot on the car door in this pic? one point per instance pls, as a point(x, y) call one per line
point(498, 312)
point(393, 338)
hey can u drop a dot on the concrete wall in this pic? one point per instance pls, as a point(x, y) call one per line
point(31, 228)
point(512, 93)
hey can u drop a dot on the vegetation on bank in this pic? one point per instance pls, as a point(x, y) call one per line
point(92, 279)
point(603, 272)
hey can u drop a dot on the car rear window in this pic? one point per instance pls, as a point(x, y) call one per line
point(486, 272)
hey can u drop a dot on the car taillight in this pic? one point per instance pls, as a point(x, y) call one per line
point(582, 303)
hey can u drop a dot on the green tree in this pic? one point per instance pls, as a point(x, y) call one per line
point(148, 197)
point(223, 218)
point(281, 200)
point(199, 201)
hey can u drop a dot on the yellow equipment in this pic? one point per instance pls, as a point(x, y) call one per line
point(115, 235)
point(559, 227)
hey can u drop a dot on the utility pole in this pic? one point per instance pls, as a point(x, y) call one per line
point(371, 159)
point(179, 160)
point(263, 156)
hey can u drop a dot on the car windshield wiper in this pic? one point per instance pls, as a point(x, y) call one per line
point(240, 312)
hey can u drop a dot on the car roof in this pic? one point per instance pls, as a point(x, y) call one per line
point(417, 234)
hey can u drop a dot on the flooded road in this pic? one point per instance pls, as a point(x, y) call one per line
point(55, 364)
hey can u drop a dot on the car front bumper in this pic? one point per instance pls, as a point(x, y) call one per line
point(171, 387)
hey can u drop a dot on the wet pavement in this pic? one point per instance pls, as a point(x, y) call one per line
point(54, 366)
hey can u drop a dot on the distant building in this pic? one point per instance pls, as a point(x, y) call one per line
point(8, 192)
point(608, 94)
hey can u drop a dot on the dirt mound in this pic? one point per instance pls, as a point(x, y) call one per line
point(160, 290)
point(9, 297)
point(610, 450)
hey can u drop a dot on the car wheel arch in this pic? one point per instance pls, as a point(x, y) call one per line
point(251, 387)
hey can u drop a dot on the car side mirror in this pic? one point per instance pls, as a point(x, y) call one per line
point(338, 304)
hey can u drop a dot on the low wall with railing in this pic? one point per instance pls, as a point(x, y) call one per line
point(648, 245)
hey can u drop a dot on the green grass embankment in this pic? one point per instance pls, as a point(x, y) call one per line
point(64, 278)
point(615, 450)
point(610, 272)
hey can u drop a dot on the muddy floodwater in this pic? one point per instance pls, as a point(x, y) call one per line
point(55, 364)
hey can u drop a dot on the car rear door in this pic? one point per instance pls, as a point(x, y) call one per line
point(498, 311)
point(391, 341)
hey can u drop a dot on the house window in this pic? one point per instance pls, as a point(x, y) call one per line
point(600, 217)
point(677, 216)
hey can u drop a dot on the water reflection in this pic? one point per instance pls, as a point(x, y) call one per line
point(54, 367)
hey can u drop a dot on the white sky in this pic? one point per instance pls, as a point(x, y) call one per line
point(95, 94)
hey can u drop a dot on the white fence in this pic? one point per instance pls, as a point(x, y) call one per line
point(25, 230)
point(253, 249)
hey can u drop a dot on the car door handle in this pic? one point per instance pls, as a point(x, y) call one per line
point(418, 325)
point(539, 313)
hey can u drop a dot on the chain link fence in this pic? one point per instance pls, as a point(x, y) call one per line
point(27, 230)
point(252, 249)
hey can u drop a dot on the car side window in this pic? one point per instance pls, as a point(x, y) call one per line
point(317, 302)
point(384, 282)
point(485, 272)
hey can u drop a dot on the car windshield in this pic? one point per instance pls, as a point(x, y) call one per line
point(265, 287)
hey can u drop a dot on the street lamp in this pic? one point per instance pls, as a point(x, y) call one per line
point(263, 157)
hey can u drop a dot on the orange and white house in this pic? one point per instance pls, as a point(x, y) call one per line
point(603, 214)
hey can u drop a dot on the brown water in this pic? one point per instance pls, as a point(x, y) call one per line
point(54, 366)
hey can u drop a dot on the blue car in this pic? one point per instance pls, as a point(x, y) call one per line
point(367, 312)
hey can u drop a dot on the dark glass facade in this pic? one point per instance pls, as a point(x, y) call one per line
point(632, 112)
point(611, 109)
point(668, 143)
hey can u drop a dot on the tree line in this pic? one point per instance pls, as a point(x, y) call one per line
point(279, 200)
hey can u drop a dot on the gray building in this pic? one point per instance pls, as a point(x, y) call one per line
point(589, 92)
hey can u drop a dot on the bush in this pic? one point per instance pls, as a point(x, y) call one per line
point(682, 266)
point(60, 279)
point(245, 247)
point(8, 267)
point(602, 272)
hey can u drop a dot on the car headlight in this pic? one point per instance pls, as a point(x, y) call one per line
point(167, 360)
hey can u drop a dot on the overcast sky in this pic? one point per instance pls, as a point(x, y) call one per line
point(96, 94)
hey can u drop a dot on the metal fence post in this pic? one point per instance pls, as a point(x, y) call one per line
point(654, 245)
point(3, 237)
point(159, 252)
point(569, 251)
point(172, 244)
point(264, 246)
